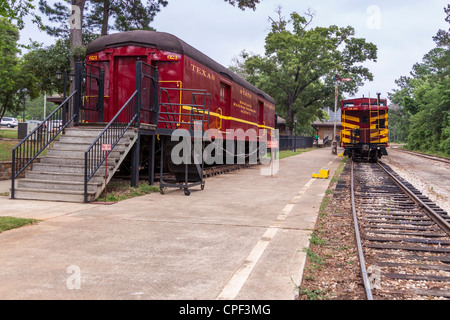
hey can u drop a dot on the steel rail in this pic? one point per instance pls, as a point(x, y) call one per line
point(436, 217)
point(362, 261)
point(423, 155)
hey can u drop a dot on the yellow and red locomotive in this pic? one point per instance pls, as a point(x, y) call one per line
point(365, 131)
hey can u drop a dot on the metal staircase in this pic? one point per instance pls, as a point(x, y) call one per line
point(60, 175)
point(74, 167)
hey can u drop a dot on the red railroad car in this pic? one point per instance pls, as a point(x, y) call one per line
point(235, 103)
point(365, 131)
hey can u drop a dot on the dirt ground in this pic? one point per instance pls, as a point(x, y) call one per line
point(332, 268)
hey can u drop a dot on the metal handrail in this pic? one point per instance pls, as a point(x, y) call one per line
point(111, 134)
point(27, 150)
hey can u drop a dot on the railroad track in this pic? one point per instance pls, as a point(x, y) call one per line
point(404, 244)
point(422, 155)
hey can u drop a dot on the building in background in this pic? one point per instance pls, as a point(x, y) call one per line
point(325, 128)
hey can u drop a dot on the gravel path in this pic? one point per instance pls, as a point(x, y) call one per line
point(431, 177)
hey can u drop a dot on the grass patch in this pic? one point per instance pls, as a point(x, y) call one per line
point(8, 223)
point(339, 170)
point(6, 147)
point(313, 294)
point(289, 153)
point(314, 258)
point(119, 190)
point(9, 134)
point(316, 240)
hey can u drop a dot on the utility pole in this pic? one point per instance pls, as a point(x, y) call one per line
point(334, 143)
point(336, 79)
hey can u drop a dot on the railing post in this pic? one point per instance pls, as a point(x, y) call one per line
point(86, 176)
point(138, 88)
point(156, 99)
point(78, 82)
point(13, 173)
point(101, 94)
point(137, 110)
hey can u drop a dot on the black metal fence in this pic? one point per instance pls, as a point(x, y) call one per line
point(295, 142)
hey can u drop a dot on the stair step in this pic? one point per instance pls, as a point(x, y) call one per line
point(55, 160)
point(58, 176)
point(83, 132)
point(77, 132)
point(52, 195)
point(62, 153)
point(57, 185)
point(89, 140)
point(79, 169)
point(82, 146)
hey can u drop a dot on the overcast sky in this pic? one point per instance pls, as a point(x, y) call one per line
point(401, 29)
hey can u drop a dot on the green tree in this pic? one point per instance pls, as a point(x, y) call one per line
point(17, 9)
point(442, 38)
point(35, 108)
point(127, 15)
point(425, 99)
point(43, 63)
point(243, 4)
point(15, 83)
point(430, 125)
point(101, 16)
point(299, 63)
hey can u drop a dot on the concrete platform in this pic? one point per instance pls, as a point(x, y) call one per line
point(240, 238)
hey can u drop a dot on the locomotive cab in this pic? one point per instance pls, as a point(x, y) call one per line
point(365, 132)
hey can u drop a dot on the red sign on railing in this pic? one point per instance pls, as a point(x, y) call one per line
point(272, 144)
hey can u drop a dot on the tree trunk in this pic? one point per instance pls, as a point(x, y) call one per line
point(105, 18)
point(289, 118)
point(76, 41)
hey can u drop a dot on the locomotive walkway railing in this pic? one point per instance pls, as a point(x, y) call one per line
point(195, 120)
point(39, 139)
point(92, 102)
point(148, 96)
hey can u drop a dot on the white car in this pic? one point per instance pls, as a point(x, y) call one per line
point(54, 125)
point(9, 122)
